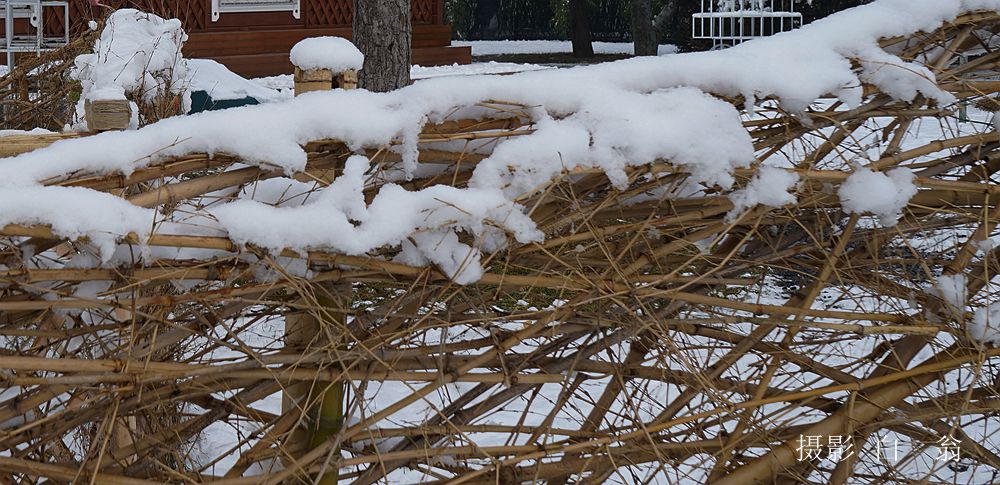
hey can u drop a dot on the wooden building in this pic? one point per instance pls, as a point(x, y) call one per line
point(254, 37)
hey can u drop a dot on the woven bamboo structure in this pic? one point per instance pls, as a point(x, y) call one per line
point(630, 345)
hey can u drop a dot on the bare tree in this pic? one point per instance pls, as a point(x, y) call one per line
point(647, 29)
point(579, 23)
point(382, 32)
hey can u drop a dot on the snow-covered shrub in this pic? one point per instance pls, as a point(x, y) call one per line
point(137, 58)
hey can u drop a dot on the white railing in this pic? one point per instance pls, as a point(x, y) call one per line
point(33, 40)
point(220, 7)
point(730, 22)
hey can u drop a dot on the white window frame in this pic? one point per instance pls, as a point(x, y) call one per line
point(219, 8)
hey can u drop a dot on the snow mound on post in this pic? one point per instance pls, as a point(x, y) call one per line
point(884, 195)
point(334, 53)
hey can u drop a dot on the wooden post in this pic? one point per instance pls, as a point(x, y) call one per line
point(108, 115)
point(323, 401)
point(23, 93)
point(324, 80)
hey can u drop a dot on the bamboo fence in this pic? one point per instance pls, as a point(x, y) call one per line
point(646, 339)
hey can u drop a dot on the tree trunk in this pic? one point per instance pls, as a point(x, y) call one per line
point(485, 22)
point(382, 32)
point(643, 35)
point(579, 19)
point(667, 16)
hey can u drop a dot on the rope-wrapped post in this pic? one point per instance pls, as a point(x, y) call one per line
point(310, 80)
point(108, 115)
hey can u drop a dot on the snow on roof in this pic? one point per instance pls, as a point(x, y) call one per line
point(334, 53)
point(607, 117)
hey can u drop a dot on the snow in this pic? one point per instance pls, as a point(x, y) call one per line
point(429, 217)
point(901, 80)
point(281, 82)
point(334, 53)
point(285, 83)
point(75, 212)
point(952, 289)
point(611, 132)
point(33, 131)
point(608, 117)
point(882, 194)
point(769, 187)
point(985, 324)
point(222, 84)
point(985, 245)
point(502, 47)
point(476, 68)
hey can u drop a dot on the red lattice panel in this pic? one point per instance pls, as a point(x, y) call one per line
point(194, 14)
point(424, 11)
point(338, 13)
point(54, 18)
point(327, 13)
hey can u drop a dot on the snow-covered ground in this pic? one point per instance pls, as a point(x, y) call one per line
point(35, 131)
point(492, 67)
point(285, 84)
point(507, 47)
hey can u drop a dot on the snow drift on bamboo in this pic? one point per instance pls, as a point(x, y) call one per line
point(606, 117)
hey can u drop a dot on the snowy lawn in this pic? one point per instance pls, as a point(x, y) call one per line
point(514, 47)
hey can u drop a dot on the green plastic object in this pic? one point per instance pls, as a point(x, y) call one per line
point(202, 101)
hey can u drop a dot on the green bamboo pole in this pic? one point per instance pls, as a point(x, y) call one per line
point(323, 400)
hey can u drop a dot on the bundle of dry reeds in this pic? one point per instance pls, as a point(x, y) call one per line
point(645, 338)
point(38, 92)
